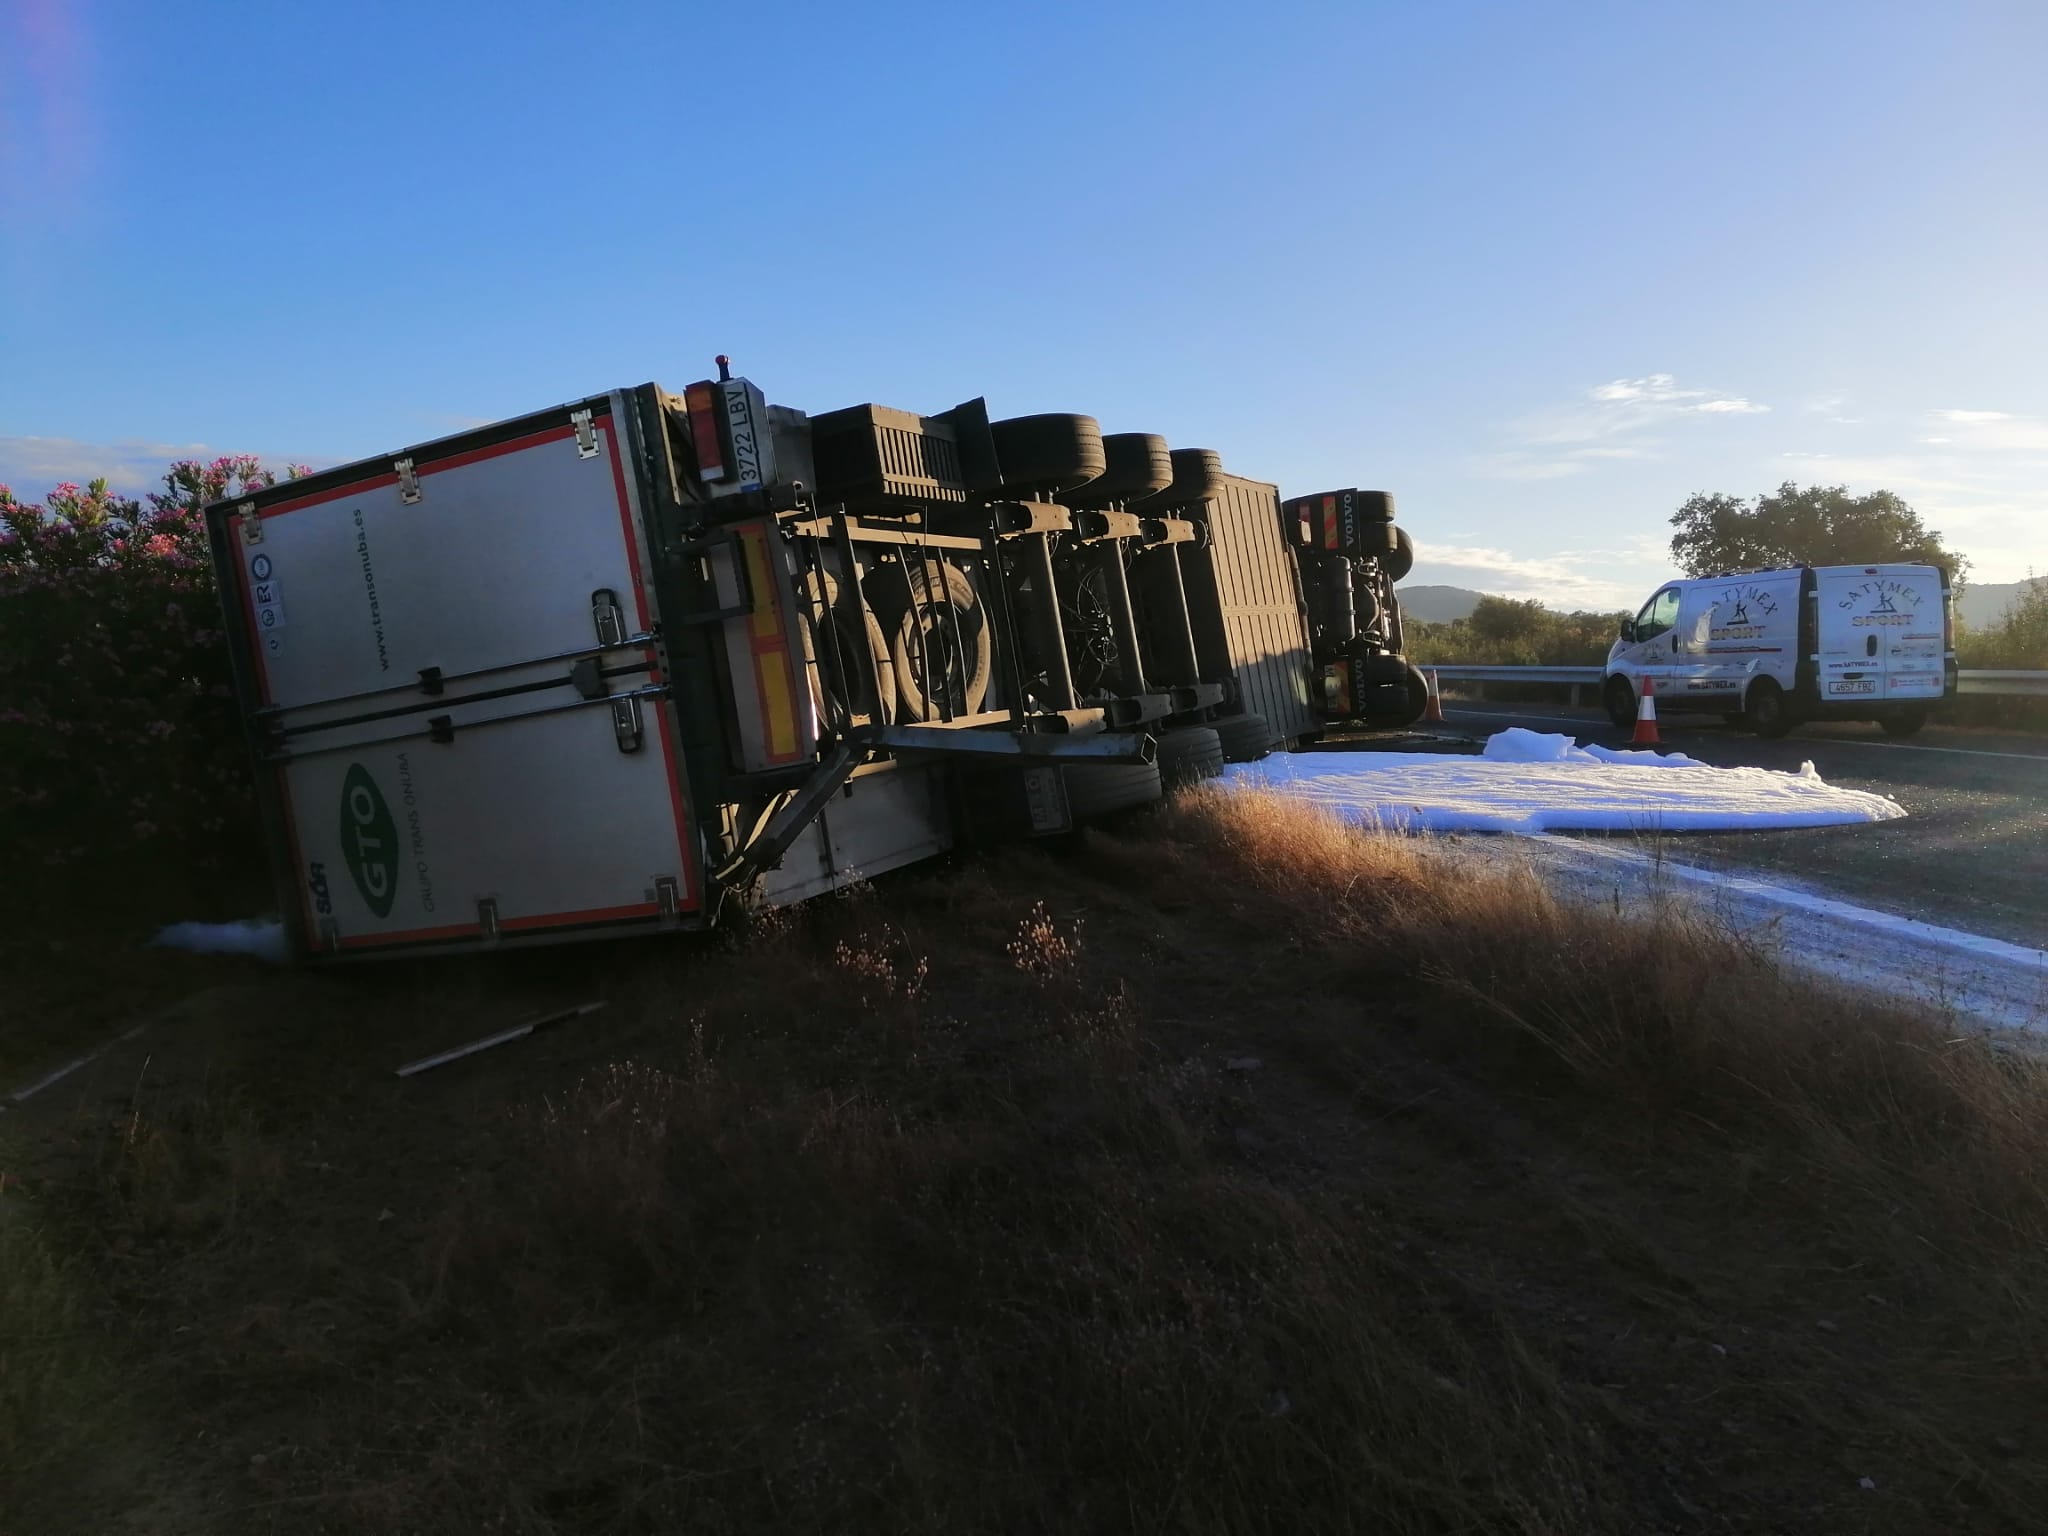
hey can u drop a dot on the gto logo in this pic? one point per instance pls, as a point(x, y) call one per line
point(369, 840)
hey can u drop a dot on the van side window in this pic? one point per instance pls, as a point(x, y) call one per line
point(1658, 615)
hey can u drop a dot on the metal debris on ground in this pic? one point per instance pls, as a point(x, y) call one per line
point(503, 1037)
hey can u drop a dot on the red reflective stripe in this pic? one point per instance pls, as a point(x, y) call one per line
point(701, 402)
point(685, 844)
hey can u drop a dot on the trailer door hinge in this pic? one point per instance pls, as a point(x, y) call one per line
point(668, 896)
point(487, 918)
point(586, 434)
point(252, 525)
point(408, 482)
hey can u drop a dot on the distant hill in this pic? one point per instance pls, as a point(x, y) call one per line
point(1982, 604)
point(1437, 605)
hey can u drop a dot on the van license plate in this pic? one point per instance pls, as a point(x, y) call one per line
point(1862, 687)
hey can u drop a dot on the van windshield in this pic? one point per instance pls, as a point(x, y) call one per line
point(1658, 615)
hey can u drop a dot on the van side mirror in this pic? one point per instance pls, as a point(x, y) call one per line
point(1628, 630)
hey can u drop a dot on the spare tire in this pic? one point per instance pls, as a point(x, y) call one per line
point(1189, 755)
point(938, 636)
point(853, 627)
point(1049, 453)
point(1245, 738)
point(1101, 789)
point(1374, 506)
point(1400, 560)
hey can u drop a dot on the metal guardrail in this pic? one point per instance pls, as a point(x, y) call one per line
point(1977, 681)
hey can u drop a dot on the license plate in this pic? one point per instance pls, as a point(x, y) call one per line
point(1863, 687)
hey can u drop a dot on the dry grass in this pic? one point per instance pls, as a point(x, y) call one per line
point(944, 1209)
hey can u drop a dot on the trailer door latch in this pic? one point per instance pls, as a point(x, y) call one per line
point(610, 623)
point(408, 482)
point(586, 433)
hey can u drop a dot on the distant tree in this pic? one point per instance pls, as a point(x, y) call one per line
point(1819, 525)
point(1507, 632)
point(2020, 637)
point(1497, 619)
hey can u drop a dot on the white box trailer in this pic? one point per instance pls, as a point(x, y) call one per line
point(623, 663)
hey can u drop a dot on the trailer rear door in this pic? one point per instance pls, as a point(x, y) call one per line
point(1881, 633)
point(447, 658)
point(1261, 622)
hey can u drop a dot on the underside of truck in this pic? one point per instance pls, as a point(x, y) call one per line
point(652, 656)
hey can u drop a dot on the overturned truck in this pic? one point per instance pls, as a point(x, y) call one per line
point(637, 660)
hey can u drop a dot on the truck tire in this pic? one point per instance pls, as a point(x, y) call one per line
point(1136, 465)
point(1418, 703)
point(853, 626)
point(1906, 722)
point(1197, 479)
point(1374, 506)
point(1189, 755)
point(1770, 712)
point(1102, 789)
point(1049, 453)
point(1245, 738)
point(923, 605)
point(1400, 560)
point(1418, 695)
point(1620, 698)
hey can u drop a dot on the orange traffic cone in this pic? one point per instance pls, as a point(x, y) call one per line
point(1646, 717)
point(1436, 700)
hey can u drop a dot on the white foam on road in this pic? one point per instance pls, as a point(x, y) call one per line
point(1977, 978)
point(1528, 782)
point(265, 940)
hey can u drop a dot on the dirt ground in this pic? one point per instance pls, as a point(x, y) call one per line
point(1188, 1179)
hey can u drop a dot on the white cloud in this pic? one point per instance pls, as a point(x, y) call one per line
point(1830, 406)
point(1993, 431)
point(1660, 391)
point(1561, 442)
point(1558, 579)
point(131, 466)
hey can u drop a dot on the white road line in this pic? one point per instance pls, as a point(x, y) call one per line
point(1840, 911)
point(1972, 976)
point(1819, 741)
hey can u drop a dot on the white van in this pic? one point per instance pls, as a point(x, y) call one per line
point(1775, 648)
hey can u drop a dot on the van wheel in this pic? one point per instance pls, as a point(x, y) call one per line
point(1770, 712)
point(1905, 723)
point(1620, 700)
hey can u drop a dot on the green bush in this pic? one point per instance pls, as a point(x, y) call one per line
point(2018, 642)
point(119, 744)
point(1506, 632)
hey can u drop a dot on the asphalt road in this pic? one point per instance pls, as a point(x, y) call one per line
point(1971, 853)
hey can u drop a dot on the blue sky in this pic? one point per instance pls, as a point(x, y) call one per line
point(1542, 270)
